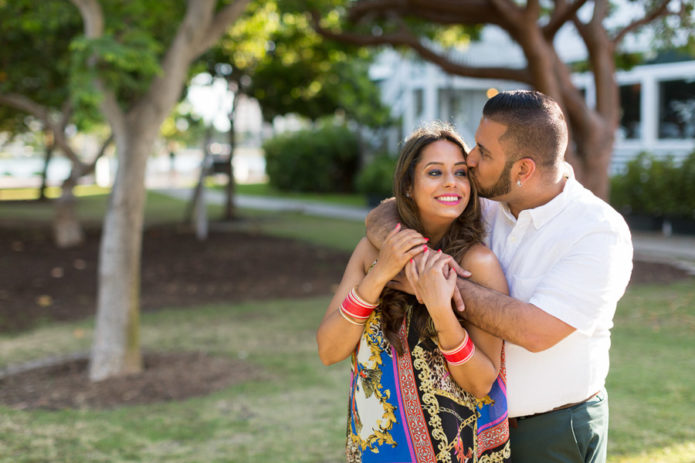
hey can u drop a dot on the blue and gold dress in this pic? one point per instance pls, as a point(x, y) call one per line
point(407, 408)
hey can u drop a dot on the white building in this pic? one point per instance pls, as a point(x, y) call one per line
point(658, 99)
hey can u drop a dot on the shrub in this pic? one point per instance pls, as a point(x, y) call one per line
point(377, 177)
point(314, 160)
point(655, 186)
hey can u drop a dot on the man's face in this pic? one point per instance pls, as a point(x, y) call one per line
point(487, 162)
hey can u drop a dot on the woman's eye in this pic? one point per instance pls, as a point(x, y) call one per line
point(434, 173)
point(462, 173)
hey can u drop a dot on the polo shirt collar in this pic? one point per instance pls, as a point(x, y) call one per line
point(543, 214)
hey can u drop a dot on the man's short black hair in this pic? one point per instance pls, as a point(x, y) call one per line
point(536, 126)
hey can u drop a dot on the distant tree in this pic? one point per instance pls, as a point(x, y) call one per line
point(34, 82)
point(135, 58)
point(272, 54)
point(534, 26)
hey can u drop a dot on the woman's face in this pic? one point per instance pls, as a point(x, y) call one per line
point(441, 189)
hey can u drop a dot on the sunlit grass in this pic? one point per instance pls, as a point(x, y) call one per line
point(52, 192)
point(297, 414)
point(265, 189)
point(91, 205)
point(650, 385)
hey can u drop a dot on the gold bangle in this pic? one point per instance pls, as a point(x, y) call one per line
point(348, 319)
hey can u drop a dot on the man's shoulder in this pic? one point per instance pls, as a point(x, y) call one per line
point(587, 208)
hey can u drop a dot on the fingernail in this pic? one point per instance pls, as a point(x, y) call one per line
point(439, 250)
point(426, 240)
point(425, 247)
point(398, 225)
point(411, 261)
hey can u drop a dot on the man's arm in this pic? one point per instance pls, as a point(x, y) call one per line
point(380, 221)
point(519, 322)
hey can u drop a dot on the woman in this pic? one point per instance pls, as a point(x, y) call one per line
point(425, 385)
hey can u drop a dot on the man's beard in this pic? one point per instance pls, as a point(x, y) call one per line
point(501, 187)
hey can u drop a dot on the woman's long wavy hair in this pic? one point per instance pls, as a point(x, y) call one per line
point(463, 233)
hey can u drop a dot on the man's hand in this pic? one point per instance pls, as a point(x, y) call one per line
point(461, 273)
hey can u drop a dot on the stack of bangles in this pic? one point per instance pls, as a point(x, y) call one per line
point(355, 308)
point(461, 353)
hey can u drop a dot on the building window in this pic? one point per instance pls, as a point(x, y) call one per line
point(677, 109)
point(630, 103)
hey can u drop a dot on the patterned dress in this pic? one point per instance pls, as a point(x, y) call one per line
point(409, 409)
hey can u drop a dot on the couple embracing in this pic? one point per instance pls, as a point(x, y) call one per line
point(479, 328)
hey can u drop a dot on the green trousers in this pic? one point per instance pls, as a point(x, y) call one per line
point(575, 434)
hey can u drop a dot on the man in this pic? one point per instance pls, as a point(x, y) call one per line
point(567, 257)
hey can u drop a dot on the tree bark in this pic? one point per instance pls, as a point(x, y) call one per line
point(67, 230)
point(230, 190)
point(116, 347)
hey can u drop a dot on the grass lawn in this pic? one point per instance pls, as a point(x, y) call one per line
point(298, 415)
point(264, 189)
point(90, 207)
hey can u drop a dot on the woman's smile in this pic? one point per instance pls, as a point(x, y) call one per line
point(449, 200)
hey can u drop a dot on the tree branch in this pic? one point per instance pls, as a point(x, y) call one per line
point(659, 11)
point(562, 13)
point(222, 20)
point(42, 113)
point(411, 41)
point(93, 18)
point(439, 11)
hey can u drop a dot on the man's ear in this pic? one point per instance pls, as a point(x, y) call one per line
point(525, 167)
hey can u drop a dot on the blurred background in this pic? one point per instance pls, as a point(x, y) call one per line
point(181, 186)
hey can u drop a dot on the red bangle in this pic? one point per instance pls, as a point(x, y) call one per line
point(356, 307)
point(461, 353)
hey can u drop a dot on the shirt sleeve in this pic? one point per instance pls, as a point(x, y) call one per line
point(584, 286)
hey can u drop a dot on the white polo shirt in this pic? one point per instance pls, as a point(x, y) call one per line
point(572, 258)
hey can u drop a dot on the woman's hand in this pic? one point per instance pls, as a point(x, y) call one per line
point(399, 247)
point(434, 281)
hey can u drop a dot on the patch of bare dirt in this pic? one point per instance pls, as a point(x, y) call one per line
point(166, 377)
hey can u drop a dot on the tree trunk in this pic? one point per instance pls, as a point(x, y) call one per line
point(194, 213)
point(594, 149)
point(229, 209)
point(67, 231)
point(116, 348)
point(44, 173)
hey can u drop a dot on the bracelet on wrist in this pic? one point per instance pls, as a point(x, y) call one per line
point(348, 319)
point(356, 307)
point(461, 353)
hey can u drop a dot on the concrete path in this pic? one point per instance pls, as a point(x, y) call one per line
point(678, 250)
point(276, 204)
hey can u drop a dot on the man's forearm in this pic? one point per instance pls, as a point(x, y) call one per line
point(510, 319)
point(380, 221)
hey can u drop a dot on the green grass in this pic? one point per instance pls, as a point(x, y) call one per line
point(160, 209)
point(91, 206)
point(295, 415)
point(335, 233)
point(264, 189)
point(298, 413)
point(652, 397)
